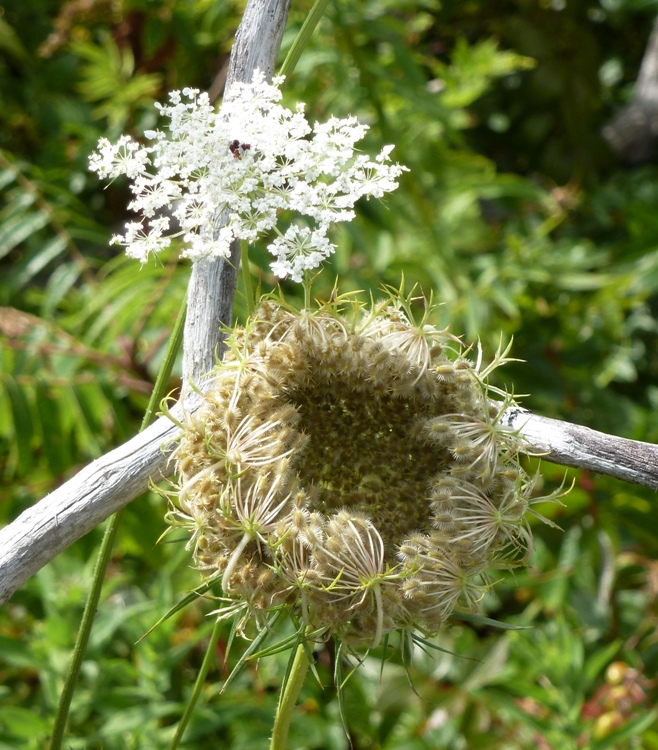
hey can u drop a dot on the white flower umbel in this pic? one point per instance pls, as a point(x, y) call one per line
point(252, 160)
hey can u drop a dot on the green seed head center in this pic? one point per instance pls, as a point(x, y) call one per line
point(360, 456)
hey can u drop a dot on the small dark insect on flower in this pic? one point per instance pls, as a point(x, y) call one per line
point(238, 149)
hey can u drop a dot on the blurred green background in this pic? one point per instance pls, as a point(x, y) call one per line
point(515, 214)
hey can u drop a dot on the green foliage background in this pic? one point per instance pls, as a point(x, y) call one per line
point(514, 214)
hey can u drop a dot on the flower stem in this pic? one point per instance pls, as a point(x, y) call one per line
point(380, 615)
point(86, 624)
point(198, 685)
point(246, 276)
point(290, 693)
point(307, 281)
point(301, 40)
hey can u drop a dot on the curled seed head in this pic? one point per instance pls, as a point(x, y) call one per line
point(348, 463)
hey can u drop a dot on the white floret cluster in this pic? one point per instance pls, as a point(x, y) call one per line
point(251, 161)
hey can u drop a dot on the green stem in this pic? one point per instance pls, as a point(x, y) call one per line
point(301, 40)
point(105, 552)
point(162, 380)
point(246, 276)
point(66, 697)
point(307, 281)
point(288, 698)
point(198, 685)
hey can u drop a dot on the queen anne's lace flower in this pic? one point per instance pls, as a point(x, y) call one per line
point(250, 161)
point(349, 465)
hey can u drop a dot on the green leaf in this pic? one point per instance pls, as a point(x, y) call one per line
point(18, 200)
point(253, 648)
point(482, 620)
point(59, 284)
point(22, 432)
point(340, 679)
point(51, 423)
point(13, 232)
point(23, 723)
point(7, 176)
point(184, 602)
point(600, 660)
point(18, 654)
point(37, 259)
point(91, 411)
point(11, 43)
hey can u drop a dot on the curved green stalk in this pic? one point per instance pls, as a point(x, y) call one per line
point(289, 694)
point(162, 380)
point(80, 649)
point(301, 40)
point(198, 685)
point(105, 552)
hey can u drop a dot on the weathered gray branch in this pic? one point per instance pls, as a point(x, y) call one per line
point(633, 132)
point(104, 486)
point(573, 445)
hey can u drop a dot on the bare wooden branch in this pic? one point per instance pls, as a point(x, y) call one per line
point(40, 533)
point(258, 40)
point(633, 132)
point(584, 448)
point(210, 296)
